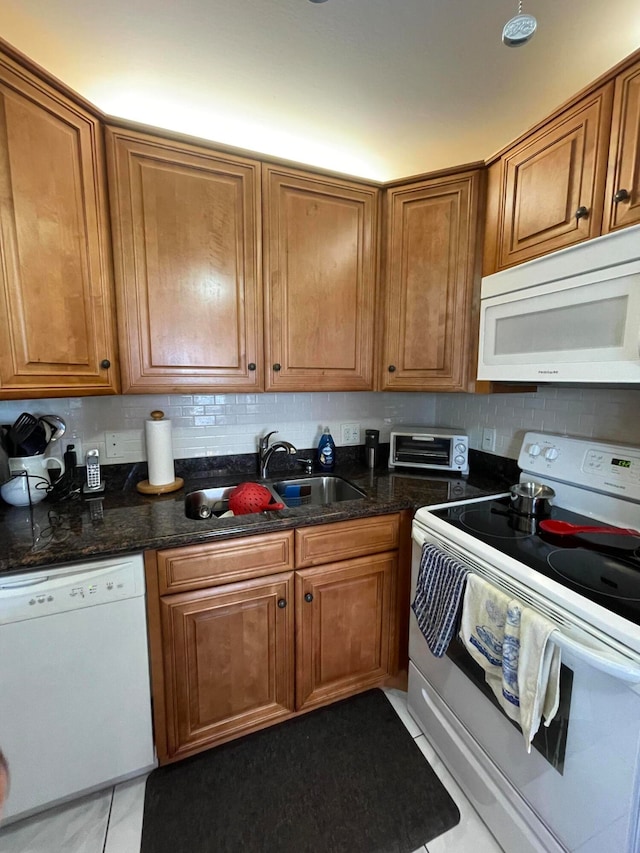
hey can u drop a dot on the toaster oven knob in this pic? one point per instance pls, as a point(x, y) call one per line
point(459, 460)
point(534, 450)
point(551, 453)
point(460, 448)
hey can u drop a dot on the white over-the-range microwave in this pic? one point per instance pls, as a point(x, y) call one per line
point(570, 316)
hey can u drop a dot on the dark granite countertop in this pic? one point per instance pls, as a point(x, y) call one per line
point(124, 521)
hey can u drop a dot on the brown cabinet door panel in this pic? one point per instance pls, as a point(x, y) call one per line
point(342, 627)
point(186, 234)
point(319, 282)
point(624, 154)
point(56, 291)
point(429, 281)
point(546, 179)
point(228, 660)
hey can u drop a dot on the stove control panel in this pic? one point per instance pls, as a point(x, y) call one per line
point(603, 466)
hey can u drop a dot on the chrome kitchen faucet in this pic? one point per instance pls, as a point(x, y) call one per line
point(265, 452)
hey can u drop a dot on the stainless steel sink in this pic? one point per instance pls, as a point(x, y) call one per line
point(316, 491)
point(208, 503)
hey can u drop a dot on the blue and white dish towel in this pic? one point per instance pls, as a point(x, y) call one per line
point(439, 591)
point(511, 643)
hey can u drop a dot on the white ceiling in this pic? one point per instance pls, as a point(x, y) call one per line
point(382, 89)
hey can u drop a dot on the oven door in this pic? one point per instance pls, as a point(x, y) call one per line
point(579, 793)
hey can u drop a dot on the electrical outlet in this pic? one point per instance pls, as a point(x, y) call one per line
point(75, 440)
point(114, 445)
point(489, 439)
point(350, 433)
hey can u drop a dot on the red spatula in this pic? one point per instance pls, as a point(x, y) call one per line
point(565, 528)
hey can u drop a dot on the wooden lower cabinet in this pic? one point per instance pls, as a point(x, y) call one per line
point(233, 657)
point(230, 666)
point(342, 627)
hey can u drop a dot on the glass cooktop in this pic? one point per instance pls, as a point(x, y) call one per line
point(604, 568)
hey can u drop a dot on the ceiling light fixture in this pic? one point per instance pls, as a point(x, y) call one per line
point(519, 29)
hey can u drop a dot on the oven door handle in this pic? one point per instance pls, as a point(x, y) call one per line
point(610, 663)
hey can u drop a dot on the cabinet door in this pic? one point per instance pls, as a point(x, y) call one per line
point(186, 224)
point(319, 261)
point(228, 657)
point(622, 205)
point(430, 273)
point(57, 325)
point(551, 186)
point(342, 627)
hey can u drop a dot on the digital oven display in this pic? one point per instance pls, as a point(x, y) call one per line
point(621, 463)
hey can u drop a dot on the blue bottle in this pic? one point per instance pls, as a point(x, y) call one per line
point(326, 451)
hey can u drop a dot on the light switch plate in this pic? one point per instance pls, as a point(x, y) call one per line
point(489, 439)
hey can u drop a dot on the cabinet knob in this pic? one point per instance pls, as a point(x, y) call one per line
point(277, 367)
point(105, 363)
point(582, 212)
point(392, 368)
point(621, 195)
point(308, 597)
point(251, 365)
point(282, 602)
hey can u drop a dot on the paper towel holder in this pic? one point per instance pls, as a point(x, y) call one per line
point(147, 488)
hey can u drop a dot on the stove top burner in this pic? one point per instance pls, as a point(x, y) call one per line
point(516, 525)
point(602, 568)
point(598, 573)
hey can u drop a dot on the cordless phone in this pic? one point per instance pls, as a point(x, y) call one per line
point(94, 483)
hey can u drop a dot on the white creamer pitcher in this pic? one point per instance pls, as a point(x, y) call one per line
point(29, 480)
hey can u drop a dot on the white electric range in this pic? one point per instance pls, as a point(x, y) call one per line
point(579, 789)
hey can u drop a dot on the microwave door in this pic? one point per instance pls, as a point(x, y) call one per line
point(582, 329)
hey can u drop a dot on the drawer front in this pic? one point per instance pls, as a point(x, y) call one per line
point(230, 560)
point(345, 540)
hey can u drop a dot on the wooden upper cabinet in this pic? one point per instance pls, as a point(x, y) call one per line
point(430, 273)
point(548, 189)
point(320, 270)
point(186, 226)
point(57, 323)
point(622, 197)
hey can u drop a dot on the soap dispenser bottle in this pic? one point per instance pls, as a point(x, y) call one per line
point(326, 451)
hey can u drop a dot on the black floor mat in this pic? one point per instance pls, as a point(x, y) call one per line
point(347, 778)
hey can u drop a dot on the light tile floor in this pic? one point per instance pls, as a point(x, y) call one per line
point(111, 820)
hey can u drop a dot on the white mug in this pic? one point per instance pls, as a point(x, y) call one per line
point(30, 479)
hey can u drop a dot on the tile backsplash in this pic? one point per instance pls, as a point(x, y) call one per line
point(223, 424)
point(610, 414)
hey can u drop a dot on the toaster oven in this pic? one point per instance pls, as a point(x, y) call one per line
point(430, 448)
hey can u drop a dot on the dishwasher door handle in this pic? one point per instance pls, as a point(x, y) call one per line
point(21, 583)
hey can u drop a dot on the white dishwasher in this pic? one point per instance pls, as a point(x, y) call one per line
point(75, 704)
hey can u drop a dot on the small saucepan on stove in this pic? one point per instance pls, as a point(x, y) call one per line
point(531, 498)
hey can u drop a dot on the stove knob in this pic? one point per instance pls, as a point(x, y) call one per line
point(551, 453)
point(534, 450)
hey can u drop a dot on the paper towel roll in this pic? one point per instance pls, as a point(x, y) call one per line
point(159, 450)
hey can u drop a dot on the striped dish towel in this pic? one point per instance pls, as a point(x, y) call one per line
point(439, 590)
